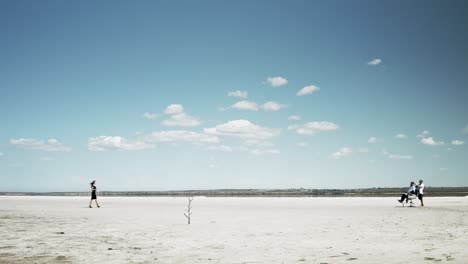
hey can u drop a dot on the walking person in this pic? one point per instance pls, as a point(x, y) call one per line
point(420, 191)
point(93, 195)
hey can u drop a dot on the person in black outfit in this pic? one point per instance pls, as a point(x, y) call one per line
point(93, 195)
point(411, 190)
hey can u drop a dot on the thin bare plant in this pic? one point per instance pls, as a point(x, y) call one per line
point(188, 211)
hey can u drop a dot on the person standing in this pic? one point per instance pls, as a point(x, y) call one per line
point(93, 195)
point(421, 191)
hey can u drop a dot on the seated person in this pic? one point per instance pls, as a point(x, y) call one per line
point(411, 190)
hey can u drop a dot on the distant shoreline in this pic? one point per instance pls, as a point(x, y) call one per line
point(367, 192)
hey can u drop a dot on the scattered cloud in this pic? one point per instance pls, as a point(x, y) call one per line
point(400, 157)
point(307, 90)
point(443, 169)
point(246, 105)
point(264, 151)
point(35, 144)
point(46, 159)
point(242, 129)
point(277, 81)
point(182, 120)
point(174, 109)
point(150, 116)
point(294, 117)
point(272, 106)
point(1, 154)
point(423, 134)
point(375, 62)
point(457, 142)
point(342, 152)
point(258, 143)
point(374, 140)
point(401, 136)
point(431, 142)
point(312, 128)
point(181, 135)
point(238, 94)
point(252, 106)
point(221, 148)
point(396, 157)
point(103, 143)
point(178, 117)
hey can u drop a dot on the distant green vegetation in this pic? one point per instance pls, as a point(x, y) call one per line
point(368, 192)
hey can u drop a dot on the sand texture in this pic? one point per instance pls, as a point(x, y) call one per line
point(232, 230)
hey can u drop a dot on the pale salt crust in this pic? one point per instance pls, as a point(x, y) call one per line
point(232, 230)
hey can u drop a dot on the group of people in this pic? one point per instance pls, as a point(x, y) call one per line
point(414, 190)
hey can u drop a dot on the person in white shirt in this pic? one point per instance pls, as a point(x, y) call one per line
point(420, 190)
point(411, 190)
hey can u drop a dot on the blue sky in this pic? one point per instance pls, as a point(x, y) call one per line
point(159, 95)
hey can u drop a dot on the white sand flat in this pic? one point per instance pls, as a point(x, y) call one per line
point(232, 230)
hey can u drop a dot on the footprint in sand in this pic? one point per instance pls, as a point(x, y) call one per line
point(429, 258)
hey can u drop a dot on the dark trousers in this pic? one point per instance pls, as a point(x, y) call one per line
point(404, 197)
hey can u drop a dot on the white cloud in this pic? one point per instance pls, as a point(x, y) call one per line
point(242, 129)
point(181, 135)
point(443, 169)
point(431, 142)
point(277, 81)
point(1, 154)
point(400, 157)
point(174, 109)
point(396, 157)
point(342, 152)
point(401, 136)
point(272, 106)
point(312, 128)
point(258, 143)
point(178, 117)
point(103, 143)
point(264, 151)
point(182, 120)
point(48, 145)
point(457, 142)
point(245, 105)
point(150, 116)
point(374, 140)
point(221, 148)
point(375, 62)
point(423, 134)
point(308, 90)
point(252, 106)
point(294, 117)
point(46, 159)
point(239, 94)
